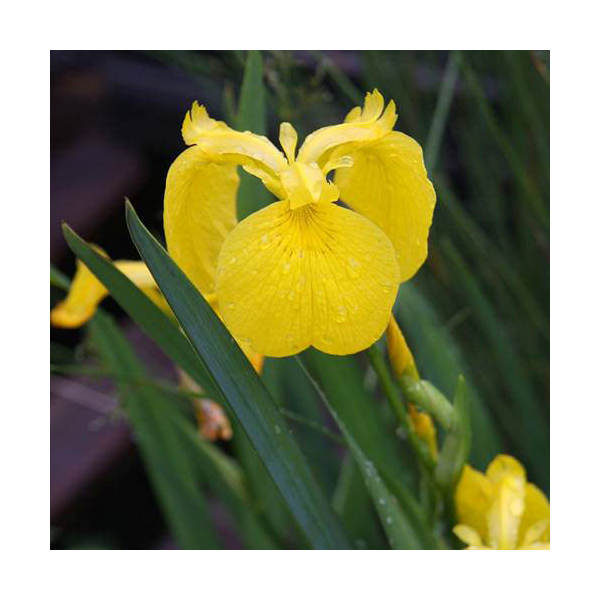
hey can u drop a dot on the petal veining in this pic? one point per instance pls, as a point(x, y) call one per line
point(320, 275)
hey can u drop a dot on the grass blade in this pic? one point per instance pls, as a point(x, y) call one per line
point(244, 392)
point(252, 116)
point(167, 461)
point(400, 527)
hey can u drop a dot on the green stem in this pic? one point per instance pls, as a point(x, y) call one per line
point(391, 392)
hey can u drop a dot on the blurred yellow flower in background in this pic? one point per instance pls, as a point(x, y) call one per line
point(303, 271)
point(501, 510)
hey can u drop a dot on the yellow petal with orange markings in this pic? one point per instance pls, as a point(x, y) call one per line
point(473, 498)
point(388, 184)
point(319, 275)
point(199, 212)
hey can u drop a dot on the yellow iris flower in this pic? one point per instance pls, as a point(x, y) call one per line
point(501, 510)
point(304, 271)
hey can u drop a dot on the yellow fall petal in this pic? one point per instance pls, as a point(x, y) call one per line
point(473, 499)
point(320, 275)
point(388, 184)
point(199, 212)
point(86, 293)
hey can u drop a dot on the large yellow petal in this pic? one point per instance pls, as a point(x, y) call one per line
point(86, 293)
point(319, 275)
point(388, 184)
point(473, 498)
point(199, 212)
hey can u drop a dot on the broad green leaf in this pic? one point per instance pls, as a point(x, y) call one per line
point(244, 392)
point(252, 116)
point(165, 457)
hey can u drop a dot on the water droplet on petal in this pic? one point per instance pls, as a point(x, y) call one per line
point(264, 241)
point(341, 314)
point(286, 267)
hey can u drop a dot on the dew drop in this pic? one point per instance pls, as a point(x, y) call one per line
point(286, 267)
point(389, 520)
point(232, 260)
point(231, 306)
point(277, 430)
point(264, 241)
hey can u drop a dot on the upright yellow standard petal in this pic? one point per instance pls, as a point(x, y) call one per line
point(319, 275)
point(199, 212)
point(222, 145)
point(388, 184)
point(362, 125)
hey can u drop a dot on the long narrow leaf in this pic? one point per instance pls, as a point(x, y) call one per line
point(244, 392)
